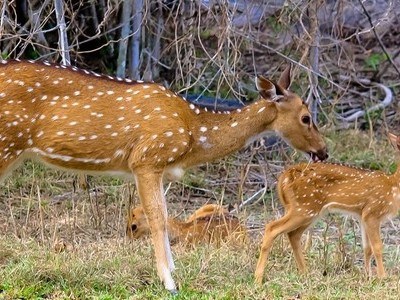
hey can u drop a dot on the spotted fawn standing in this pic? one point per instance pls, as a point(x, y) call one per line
point(309, 190)
point(79, 120)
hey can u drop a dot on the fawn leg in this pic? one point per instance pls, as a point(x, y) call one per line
point(150, 189)
point(295, 241)
point(288, 222)
point(372, 227)
point(367, 249)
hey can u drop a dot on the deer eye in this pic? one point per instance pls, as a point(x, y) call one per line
point(306, 120)
point(133, 227)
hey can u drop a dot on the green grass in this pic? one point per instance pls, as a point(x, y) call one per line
point(120, 270)
point(57, 244)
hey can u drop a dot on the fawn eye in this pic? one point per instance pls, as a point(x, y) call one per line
point(133, 227)
point(306, 120)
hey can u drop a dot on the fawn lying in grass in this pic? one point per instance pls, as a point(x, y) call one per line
point(209, 224)
point(307, 190)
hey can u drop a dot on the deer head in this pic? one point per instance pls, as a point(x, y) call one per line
point(293, 119)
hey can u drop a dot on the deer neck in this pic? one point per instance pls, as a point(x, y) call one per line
point(217, 134)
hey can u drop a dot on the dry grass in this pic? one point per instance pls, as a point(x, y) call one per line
point(60, 244)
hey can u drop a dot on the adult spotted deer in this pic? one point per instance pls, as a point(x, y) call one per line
point(308, 190)
point(75, 119)
point(211, 223)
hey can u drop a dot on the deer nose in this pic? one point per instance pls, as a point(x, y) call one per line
point(322, 154)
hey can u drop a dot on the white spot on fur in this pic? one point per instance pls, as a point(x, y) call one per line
point(261, 109)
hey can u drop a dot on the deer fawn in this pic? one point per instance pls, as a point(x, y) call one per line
point(79, 120)
point(307, 190)
point(211, 223)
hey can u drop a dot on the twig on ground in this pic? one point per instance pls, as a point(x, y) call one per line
point(384, 103)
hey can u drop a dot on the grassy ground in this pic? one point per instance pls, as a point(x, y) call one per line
point(60, 244)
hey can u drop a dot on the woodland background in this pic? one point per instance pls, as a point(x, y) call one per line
point(347, 67)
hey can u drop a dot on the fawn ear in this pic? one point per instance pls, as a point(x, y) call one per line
point(394, 139)
point(286, 78)
point(267, 89)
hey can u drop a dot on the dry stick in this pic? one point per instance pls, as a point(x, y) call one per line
point(134, 61)
point(123, 43)
point(2, 17)
point(63, 39)
point(95, 20)
point(40, 213)
point(384, 103)
point(378, 37)
point(251, 199)
point(37, 26)
point(313, 96)
point(155, 56)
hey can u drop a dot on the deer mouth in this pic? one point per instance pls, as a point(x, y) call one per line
point(320, 155)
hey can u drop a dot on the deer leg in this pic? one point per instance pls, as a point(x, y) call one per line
point(150, 189)
point(367, 250)
point(288, 222)
point(372, 227)
point(295, 241)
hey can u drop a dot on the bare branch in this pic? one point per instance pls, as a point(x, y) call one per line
point(123, 43)
point(135, 41)
point(63, 39)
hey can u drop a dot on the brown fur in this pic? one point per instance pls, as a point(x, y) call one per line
point(307, 190)
point(209, 224)
point(75, 120)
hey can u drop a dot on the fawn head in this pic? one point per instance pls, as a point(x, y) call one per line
point(137, 225)
point(293, 120)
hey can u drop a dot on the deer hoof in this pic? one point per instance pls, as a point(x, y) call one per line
point(174, 292)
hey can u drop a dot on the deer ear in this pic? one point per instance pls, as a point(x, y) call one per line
point(286, 77)
point(266, 88)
